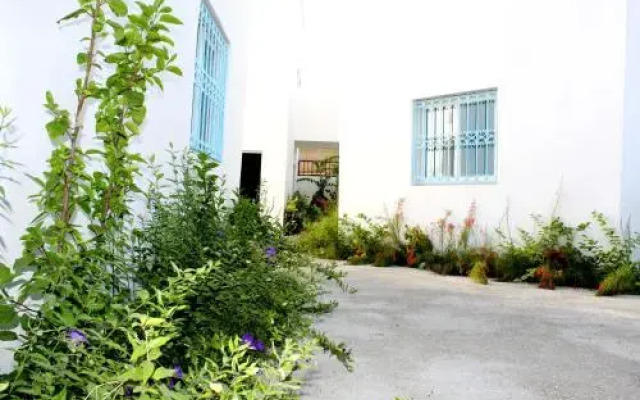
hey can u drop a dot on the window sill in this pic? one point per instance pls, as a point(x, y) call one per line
point(455, 181)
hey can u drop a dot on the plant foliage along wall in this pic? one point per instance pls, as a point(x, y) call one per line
point(554, 253)
point(204, 299)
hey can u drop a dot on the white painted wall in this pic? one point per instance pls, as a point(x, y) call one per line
point(631, 142)
point(559, 68)
point(271, 81)
point(38, 55)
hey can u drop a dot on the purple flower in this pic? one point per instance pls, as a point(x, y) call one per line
point(77, 337)
point(247, 339)
point(259, 346)
point(253, 343)
point(128, 391)
point(177, 369)
point(271, 252)
point(178, 375)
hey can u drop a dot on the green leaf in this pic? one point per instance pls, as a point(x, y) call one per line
point(57, 128)
point(5, 275)
point(68, 318)
point(147, 370)
point(73, 15)
point(8, 336)
point(143, 295)
point(8, 315)
point(153, 322)
point(163, 373)
point(82, 58)
point(138, 351)
point(102, 126)
point(4, 386)
point(158, 82)
point(159, 342)
point(132, 127)
point(115, 58)
point(21, 264)
point(135, 99)
point(118, 7)
point(175, 70)
point(49, 97)
point(170, 19)
point(61, 395)
point(138, 115)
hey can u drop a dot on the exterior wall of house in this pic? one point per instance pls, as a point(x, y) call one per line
point(274, 25)
point(559, 67)
point(631, 142)
point(38, 55)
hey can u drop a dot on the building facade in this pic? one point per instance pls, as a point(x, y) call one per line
point(519, 105)
point(525, 106)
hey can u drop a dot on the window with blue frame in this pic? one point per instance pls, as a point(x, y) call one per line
point(454, 138)
point(207, 126)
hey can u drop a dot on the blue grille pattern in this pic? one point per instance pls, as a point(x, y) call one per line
point(455, 138)
point(207, 125)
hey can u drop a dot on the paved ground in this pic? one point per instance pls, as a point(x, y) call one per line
point(422, 336)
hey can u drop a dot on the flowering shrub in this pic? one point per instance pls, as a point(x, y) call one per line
point(111, 309)
point(553, 254)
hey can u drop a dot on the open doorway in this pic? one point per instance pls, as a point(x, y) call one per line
point(250, 176)
point(314, 193)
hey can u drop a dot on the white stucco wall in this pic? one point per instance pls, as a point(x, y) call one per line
point(559, 68)
point(38, 55)
point(271, 81)
point(630, 198)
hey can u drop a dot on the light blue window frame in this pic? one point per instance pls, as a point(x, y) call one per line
point(210, 85)
point(454, 139)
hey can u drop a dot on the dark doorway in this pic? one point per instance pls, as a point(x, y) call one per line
point(250, 176)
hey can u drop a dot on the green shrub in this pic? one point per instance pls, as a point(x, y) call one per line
point(324, 239)
point(257, 283)
point(154, 311)
point(513, 263)
point(300, 212)
point(419, 247)
point(478, 273)
point(555, 245)
point(624, 280)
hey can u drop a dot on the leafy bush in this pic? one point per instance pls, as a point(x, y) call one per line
point(325, 238)
point(299, 212)
point(514, 263)
point(419, 247)
point(478, 273)
point(109, 310)
point(257, 283)
point(550, 255)
point(554, 254)
point(623, 280)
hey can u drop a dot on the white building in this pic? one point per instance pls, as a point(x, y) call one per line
point(505, 102)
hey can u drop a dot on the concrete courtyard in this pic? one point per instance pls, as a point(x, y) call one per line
point(421, 336)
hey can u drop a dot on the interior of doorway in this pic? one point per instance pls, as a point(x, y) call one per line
point(250, 176)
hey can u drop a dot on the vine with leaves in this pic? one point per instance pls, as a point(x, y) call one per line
point(75, 249)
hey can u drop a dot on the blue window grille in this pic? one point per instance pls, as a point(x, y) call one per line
point(454, 139)
point(207, 125)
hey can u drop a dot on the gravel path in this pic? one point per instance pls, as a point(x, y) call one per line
point(422, 336)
